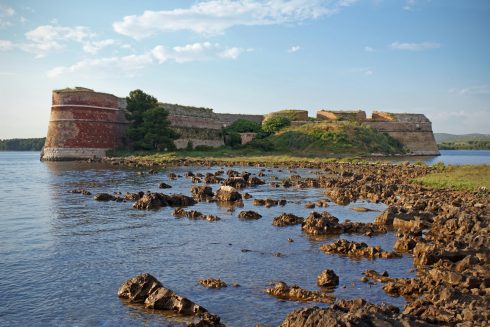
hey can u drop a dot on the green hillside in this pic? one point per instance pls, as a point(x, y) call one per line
point(463, 142)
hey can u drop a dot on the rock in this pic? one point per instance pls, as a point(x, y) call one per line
point(207, 320)
point(212, 283)
point(287, 219)
point(405, 243)
point(252, 181)
point(236, 182)
point(328, 279)
point(165, 299)
point(164, 185)
point(193, 214)
point(179, 200)
point(309, 205)
point(133, 196)
point(322, 203)
point(151, 201)
point(249, 215)
point(295, 293)
point(357, 249)
point(361, 209)
point(138, 288)
point(321, 224)
point(247, 195)
point(80, 191)
point(227, 194)
point(104, 197)
point(202, 192)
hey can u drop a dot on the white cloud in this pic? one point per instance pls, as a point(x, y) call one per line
point(294, 49)
point(477, 90)
point(6, 45)
point(95, 46)
point(215, 16)
point(196, 52)
point(414, 46)
point(5, 14)
point(368, 49)
point(127, 64)
point(367, 71)
point(409, 4)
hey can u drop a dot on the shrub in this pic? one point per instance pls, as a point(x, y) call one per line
point(275, 124)
point(244, 126)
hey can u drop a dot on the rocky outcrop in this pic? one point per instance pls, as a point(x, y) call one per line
point(104, 197)
point(153, 200)
point(249, 215)
point(357, 249)
point(212, 283)
point(327, 279)
point(318, 224)
point(147, 290)
point(295, 293)
point(269, 202)
point(194, 215)
point(227, 194)
point(202, 193)
point(287, 219)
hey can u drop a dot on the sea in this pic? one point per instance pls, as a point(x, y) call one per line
point(63, 256)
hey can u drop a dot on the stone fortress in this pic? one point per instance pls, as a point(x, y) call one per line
point(85, 124)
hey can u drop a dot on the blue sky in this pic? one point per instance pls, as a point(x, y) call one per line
point(251, 56)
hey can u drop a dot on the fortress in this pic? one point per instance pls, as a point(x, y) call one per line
point(85, 124)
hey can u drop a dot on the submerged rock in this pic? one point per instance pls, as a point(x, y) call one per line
point(164, 185)
point(249, 215)
point(321, 224)
point(153, 200)
point(193, 214)
point(357, 249)
point(295, 293)
point(202, 192)
point(80, 191)
point(212, 283)
point(287, 219)
point(104, 197)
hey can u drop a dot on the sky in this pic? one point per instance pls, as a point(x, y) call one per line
point(251, 56)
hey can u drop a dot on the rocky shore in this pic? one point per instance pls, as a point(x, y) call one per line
point(447, 232)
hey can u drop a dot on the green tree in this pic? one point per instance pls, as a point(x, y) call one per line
point(149, 126)
point(244, 126)
point(274, 124)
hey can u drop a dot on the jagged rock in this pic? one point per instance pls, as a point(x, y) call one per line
point(236, 182)
point(287, 219)
point(269, 202)
point(322, 203)
point(405, 243)
point(80, 191)
point(295, 293)
point(212, 283)
point(361, 209)
point(165, 299)
point(138, 288)
point(249, 215)
point(153, 200)
point(164, 185)
point(193, 214)
point(247, 195)
point(309, 205)
point(346, 313)
point(327, 278)
point(133, 196)
point(212, 179)
point(179, 200)
point(202, 192)
point(252, 181)
point(321, 224)
point(207, 320)
point(227, 194)
point(104, 197)
point(357, 249)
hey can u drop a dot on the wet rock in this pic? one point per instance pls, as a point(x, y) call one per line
point(153, 200)
point(172, 176)
point(361, 209)
point(322, 203)
point(212, 179)
point(80, 191)
point(236, 182)
point(164, 185)
point(138, 288)
point(212, 283)
point(179, 200)
point(133, 196)
point(346, 313)
point(321, 224)
point(146, 289)
point(269, 202)
point(104, 197)
point(247, 195)
point(405, 243)
point(252, 181)
point(357, 249)
point(193, 214)
point(249, 215)
point(295, 293)
point(309, 205)
point(227, 194)
point(328, 279)
point(202, 192)
point(287, 219)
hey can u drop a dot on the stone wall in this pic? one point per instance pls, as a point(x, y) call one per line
point(358, 115)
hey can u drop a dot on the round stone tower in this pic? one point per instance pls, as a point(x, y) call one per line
point(84, 124)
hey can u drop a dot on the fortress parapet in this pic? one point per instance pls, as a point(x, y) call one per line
point(84, 124)
point(352, 115)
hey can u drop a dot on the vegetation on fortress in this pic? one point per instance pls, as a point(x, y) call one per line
point(33, 144)
point(149, 127)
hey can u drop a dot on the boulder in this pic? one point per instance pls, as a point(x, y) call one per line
point(295, 293)
point(104, 197)
point(249, 215)
point(328, 279)
point(138, 288)
point(202, 192)
point(357, 249)
point(321, 224)
point(212, 283)
point(164, 185)
point(227, 194)
point(287, 219)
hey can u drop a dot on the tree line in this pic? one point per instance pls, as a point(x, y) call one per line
point(33, 144)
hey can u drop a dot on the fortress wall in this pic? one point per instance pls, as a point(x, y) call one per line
point(399, 127)
point(182, 142)
point(417, 143)
point(228, 119)
point(194, 122)
point(341, 115)
point(83, 124)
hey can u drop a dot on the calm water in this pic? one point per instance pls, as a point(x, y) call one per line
point(63, 256)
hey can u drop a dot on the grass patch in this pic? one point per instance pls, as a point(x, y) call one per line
point(466, 177)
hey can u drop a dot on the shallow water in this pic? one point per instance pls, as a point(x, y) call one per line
point(63, 255)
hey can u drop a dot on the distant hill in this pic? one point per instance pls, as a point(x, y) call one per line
point(445, 137)
point(34, 144)
point(463, 142)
